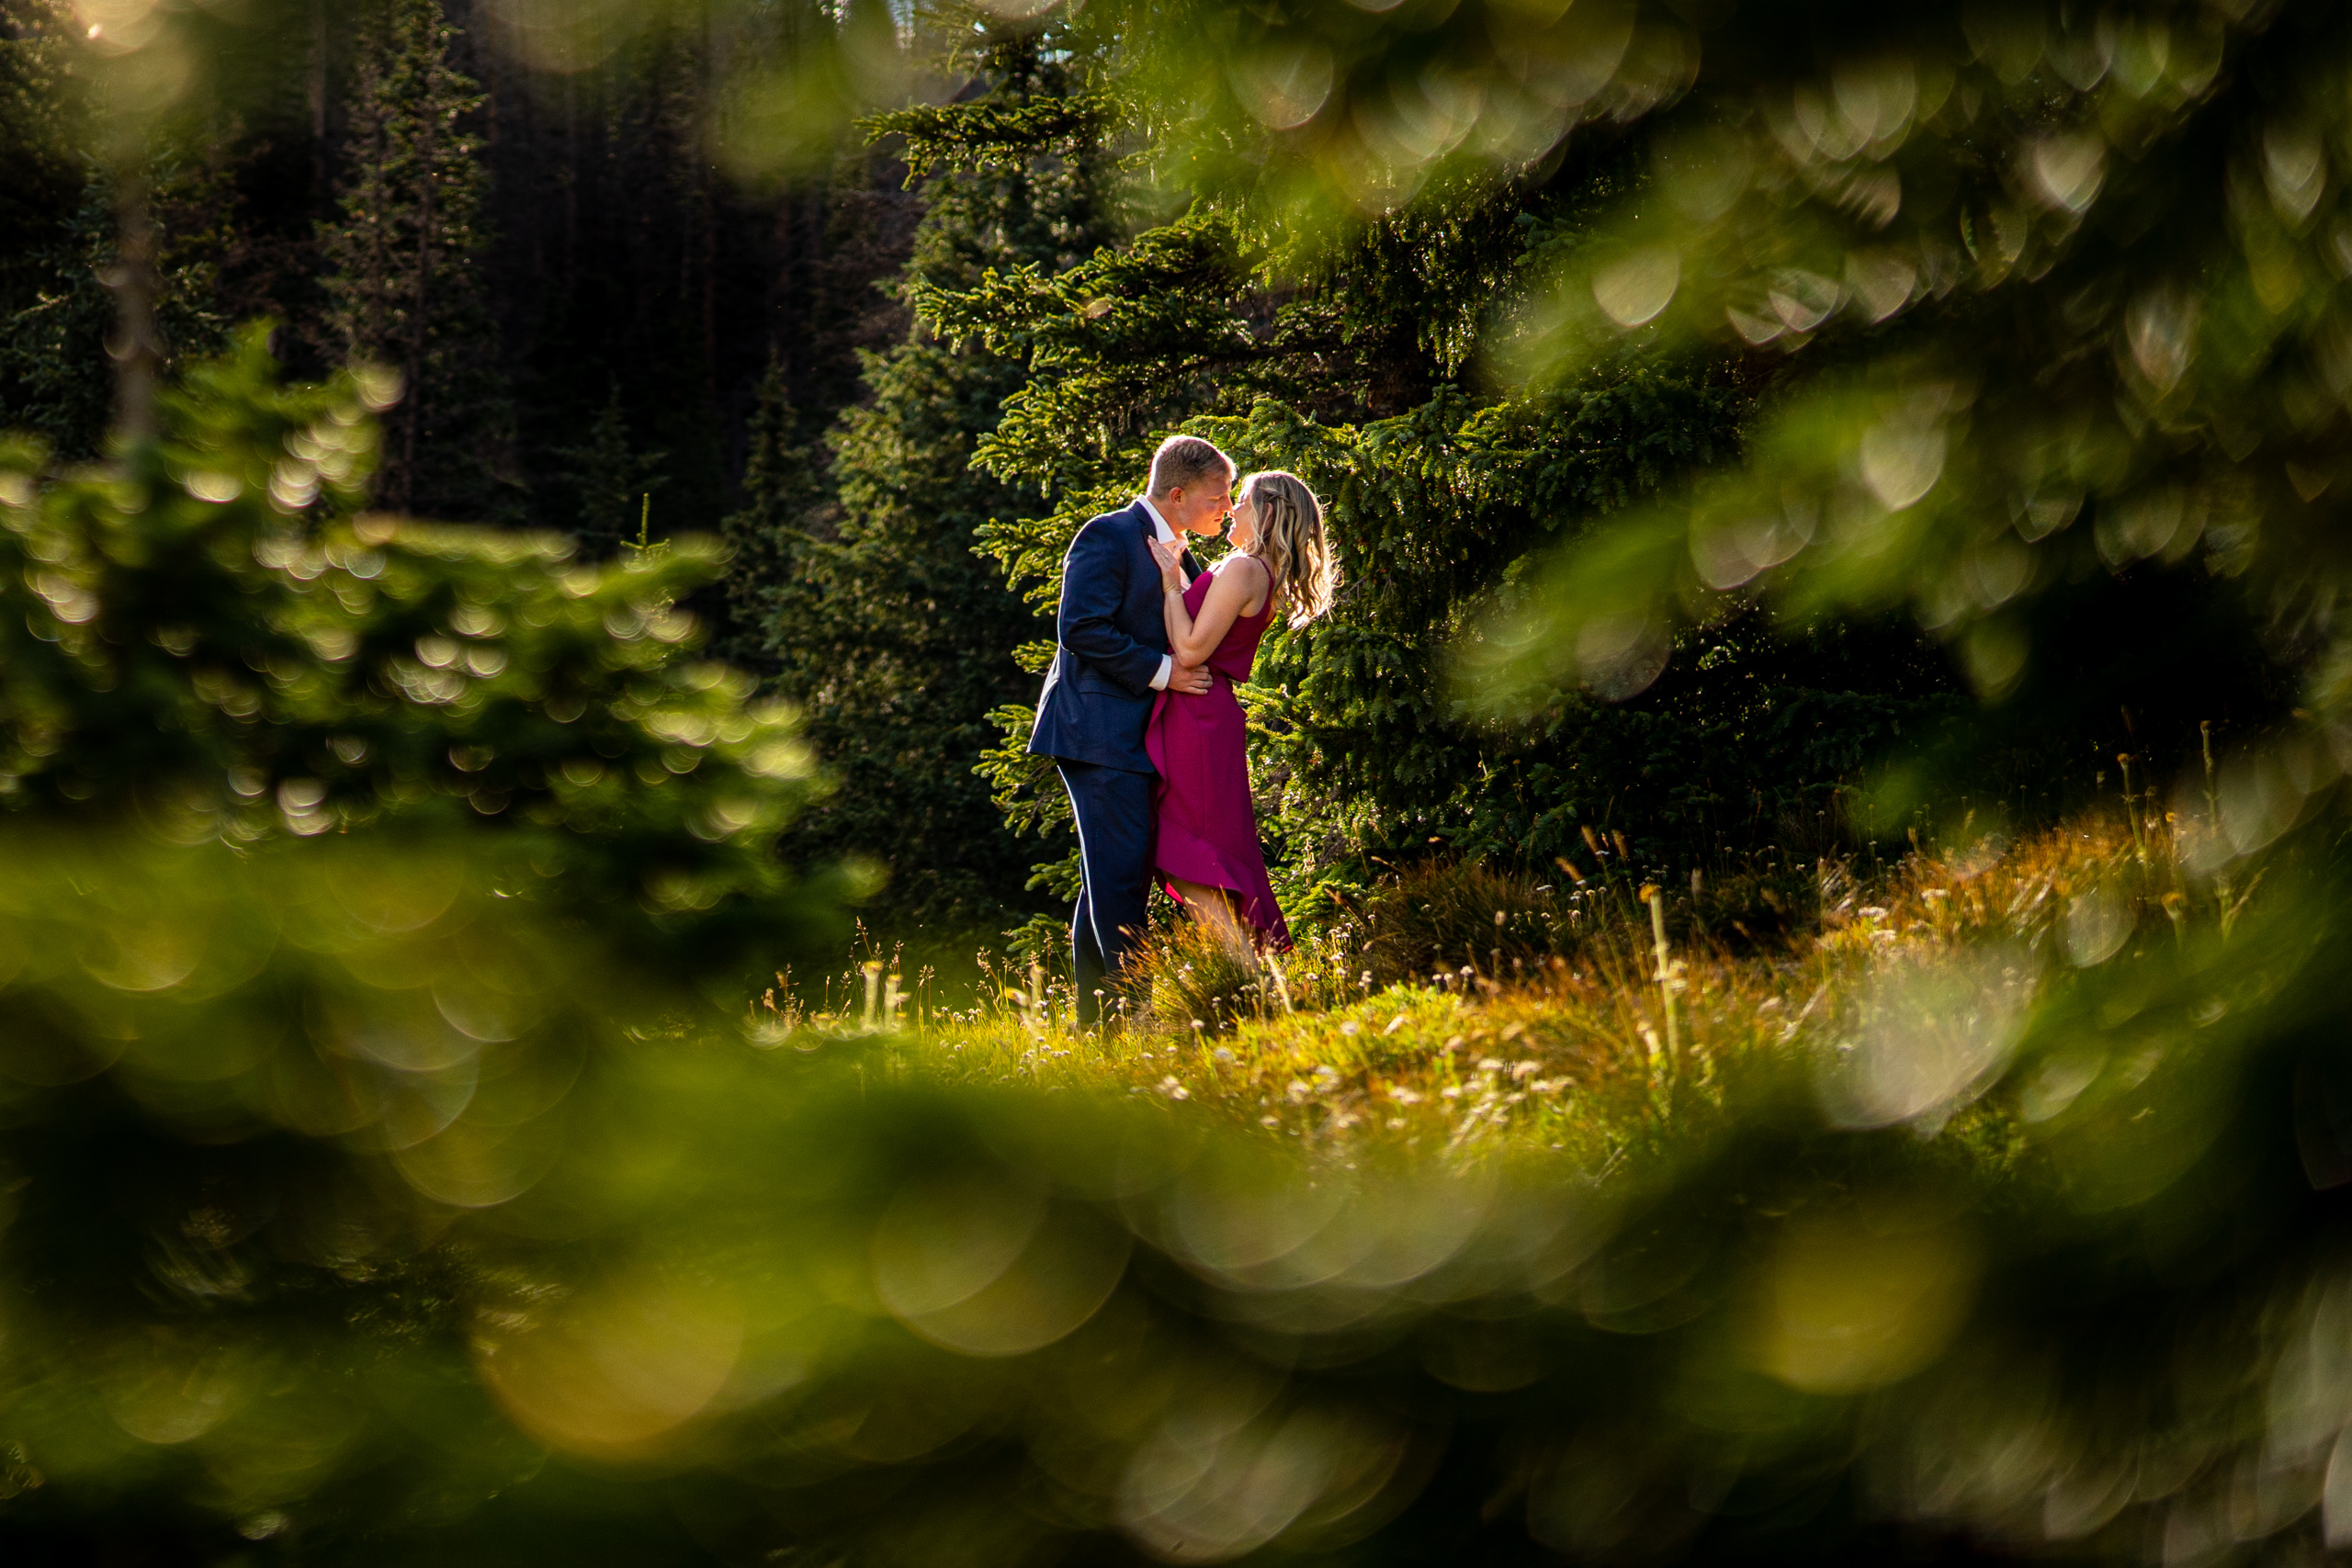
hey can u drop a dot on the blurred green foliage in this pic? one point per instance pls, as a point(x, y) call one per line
point(359, 1210)
point(209, 640)
point(2044, 294)
point(388, 1175)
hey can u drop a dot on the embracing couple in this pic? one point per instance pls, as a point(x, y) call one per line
point(1138, 710)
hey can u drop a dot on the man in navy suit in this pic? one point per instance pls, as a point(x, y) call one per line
point(1112, 656)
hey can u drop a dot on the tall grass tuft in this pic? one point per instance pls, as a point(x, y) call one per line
point(1187, 979)
point(1438, 917)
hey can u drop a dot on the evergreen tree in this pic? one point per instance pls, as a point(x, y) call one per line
point(55, 376)
point(861, 233)
point(54, 380)
point(41, 213)
point(1352, 364)
point(60, 232)
point(615, 481)
point(785, 484)
point(811, 377)
point(882, 623)
point(624, 290)
point(40, 118)
point(406, 246)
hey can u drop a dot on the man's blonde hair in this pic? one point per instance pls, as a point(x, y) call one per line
point(1187, 460)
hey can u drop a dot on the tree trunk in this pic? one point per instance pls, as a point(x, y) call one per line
point(708, 216)
point(571, 187)
point(321, 190)
point(138, 356)
point(420, 296)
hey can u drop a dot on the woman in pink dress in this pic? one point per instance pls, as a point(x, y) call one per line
point(1205, 827)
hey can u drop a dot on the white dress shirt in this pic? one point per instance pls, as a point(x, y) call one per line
point(1167, 537)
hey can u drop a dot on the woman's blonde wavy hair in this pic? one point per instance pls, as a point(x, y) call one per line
point(1291, 543)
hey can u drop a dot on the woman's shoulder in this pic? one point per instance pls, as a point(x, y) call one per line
point(1249, 566)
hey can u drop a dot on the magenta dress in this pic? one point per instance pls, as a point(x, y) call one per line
point(1207, 828)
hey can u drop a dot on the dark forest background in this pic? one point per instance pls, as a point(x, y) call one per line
point(609, 305)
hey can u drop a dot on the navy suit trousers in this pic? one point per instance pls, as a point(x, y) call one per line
point(1114, 809)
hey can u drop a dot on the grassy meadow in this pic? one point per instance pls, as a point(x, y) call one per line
point(1603, 1019)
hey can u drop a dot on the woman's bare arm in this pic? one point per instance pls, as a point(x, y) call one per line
point(1238, 581)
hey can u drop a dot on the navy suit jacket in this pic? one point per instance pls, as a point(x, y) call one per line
point(1110, 636)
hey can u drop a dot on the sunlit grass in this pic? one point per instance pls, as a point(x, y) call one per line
point(1571, 1052)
